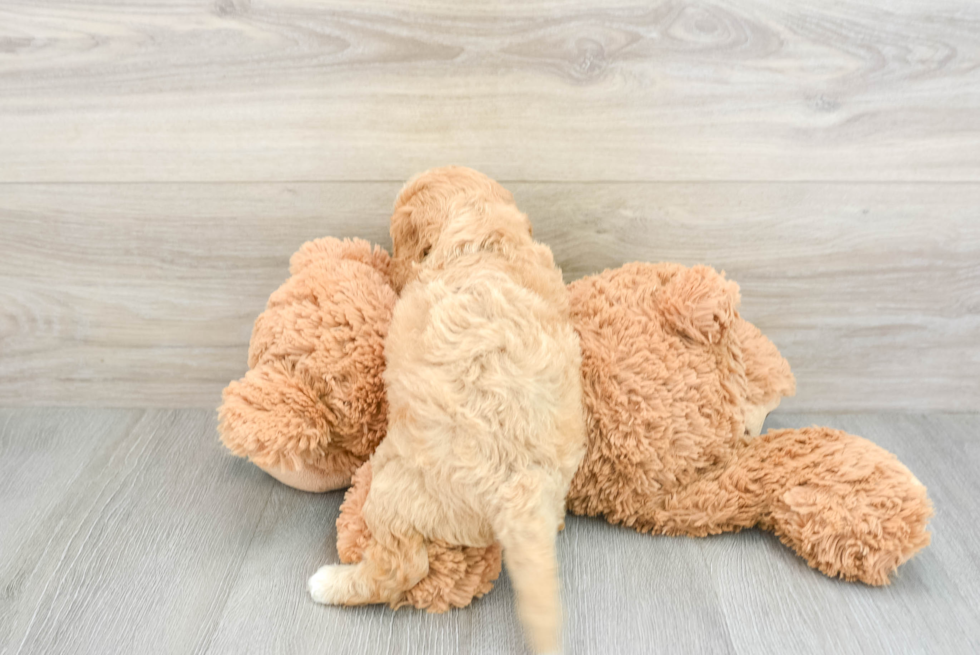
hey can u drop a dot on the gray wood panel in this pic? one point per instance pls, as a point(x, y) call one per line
point(43, 454)
point(253, 90)
point(136, 548)
point(145, 294)
point(129, 531)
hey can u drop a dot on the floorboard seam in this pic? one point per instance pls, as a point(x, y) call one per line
point(206, 648)
point(72, 538)
point(719, 604)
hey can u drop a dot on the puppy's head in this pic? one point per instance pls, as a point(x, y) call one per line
point(446, 207)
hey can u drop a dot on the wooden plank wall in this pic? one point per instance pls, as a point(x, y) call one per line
point(160, 161)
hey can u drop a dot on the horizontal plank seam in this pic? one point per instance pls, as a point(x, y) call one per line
point(922, 182)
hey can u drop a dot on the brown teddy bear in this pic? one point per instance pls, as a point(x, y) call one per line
point(676, 388)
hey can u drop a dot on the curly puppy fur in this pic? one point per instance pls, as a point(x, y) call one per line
point(485, 428)
point(312, 407)
point(457, 574)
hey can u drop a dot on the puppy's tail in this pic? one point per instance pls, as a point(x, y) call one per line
point(526, 527)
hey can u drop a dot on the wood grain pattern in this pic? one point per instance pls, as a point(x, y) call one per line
point(145, 294)
point(136, 549)
point(129, 531)
point(240, 90)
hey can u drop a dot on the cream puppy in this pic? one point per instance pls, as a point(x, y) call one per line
point(486, 423)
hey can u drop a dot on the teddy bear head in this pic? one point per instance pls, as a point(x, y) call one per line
point(312, 407)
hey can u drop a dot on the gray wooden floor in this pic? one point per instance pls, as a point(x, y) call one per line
point(131, 531)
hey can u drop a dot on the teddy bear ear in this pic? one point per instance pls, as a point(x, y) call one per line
point(700, 303)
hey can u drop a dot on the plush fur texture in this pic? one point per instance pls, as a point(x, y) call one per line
point(665, 380)
point(312, 407)
point(674, 381)
point(675, 385)
point(485, 427)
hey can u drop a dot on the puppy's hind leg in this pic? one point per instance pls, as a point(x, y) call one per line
point(393, 564)
point(526, 526)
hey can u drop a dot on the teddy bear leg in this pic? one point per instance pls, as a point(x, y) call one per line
point(845, 505)
point(278, 422)
point(709, 506)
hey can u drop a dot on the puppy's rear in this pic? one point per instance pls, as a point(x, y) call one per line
point(497, 333)
point(486, 424)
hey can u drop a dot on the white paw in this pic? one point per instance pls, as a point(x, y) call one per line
point(323, 585)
